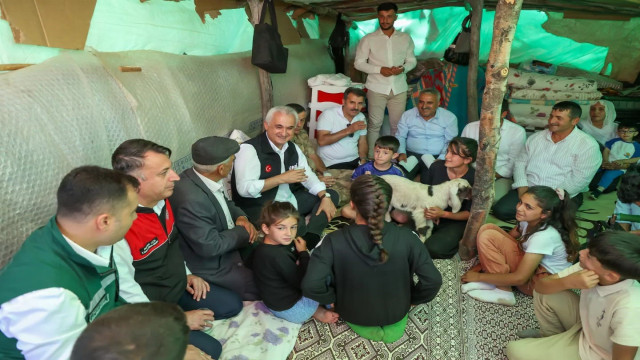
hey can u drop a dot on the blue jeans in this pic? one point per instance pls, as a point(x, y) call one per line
point(300, 312)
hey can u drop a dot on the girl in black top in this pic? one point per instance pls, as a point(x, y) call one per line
point(279, 269)
point(449, 227)
point(370, 267)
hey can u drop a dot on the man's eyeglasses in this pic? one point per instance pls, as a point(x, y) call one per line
point(628, 131)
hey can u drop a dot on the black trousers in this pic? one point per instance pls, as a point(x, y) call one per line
point(443, 242)
point(309, 204)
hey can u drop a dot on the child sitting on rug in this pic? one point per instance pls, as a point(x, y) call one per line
point(366, 269)
point(618, 154)
point(543, 243)
point(279, 270)
point(601, 322)
point(384, 152)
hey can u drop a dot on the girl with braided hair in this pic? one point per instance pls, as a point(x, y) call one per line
point(366, 269)
point(544, 242)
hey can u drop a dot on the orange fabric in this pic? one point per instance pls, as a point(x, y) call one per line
point(499, 253)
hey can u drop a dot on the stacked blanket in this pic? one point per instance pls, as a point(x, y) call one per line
point(532, 95)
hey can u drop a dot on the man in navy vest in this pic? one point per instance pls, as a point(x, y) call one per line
point(270, 167)
point(56, 284)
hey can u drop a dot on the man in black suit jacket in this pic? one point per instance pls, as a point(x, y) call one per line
point(212, 227)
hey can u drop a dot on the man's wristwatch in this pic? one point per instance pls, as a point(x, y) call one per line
point(326, 195)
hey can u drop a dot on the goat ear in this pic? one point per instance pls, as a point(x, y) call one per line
point(454, 200)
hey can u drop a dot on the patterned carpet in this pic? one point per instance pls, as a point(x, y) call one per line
point(433, 331)
point(452, 326)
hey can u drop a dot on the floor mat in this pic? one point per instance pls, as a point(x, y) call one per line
point(489, 327)
point(433, 331)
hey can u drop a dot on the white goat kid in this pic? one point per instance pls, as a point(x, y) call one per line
point(415, 197)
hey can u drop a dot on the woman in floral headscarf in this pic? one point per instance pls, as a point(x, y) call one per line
point(600, 122)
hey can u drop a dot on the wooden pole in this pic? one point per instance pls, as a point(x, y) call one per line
point(504, 27)
point(474, 54)
point(266, 87)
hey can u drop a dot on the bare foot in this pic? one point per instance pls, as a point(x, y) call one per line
point(325, 316)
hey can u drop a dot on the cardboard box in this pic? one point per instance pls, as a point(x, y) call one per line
point(53, 23)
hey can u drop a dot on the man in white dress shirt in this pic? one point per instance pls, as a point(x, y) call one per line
point(269, 167)
point(385, 55)
point(561, 156)
point(342, 133)
point(512, 139)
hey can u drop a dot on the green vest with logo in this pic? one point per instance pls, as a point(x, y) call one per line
point(46, 260)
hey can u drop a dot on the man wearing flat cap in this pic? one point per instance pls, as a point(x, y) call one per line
point(212, 227)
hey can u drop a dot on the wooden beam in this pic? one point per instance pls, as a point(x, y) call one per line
point(504, 28)
point(266, 87)
point(474, 57)
point(11, 67)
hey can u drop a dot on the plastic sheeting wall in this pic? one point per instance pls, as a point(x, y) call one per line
point(76, 108)
point(434, 30)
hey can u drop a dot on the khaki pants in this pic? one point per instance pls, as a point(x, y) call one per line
point(559, 318)
point(376, 103)
point(499, 253)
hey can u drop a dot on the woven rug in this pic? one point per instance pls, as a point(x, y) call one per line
point(433, 331)
point(452, 326)
point(489, 327)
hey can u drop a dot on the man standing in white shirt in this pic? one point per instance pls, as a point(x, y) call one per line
point(512, 139)
point(269, 167)
point(562, 156)
point(342, 133)
point(385, 55)
point(213, 228)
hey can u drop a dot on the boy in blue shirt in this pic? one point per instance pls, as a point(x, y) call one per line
point(384, 152)
point(618, 154)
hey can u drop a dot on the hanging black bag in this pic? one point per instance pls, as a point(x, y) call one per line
point(268, 53)
point(458, 51)
point(338, 41)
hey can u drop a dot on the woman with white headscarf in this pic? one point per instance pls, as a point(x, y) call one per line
point(600, 122)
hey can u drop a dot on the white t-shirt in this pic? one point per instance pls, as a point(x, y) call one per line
point(548, 243)
point(609, 314)
point(345, 149)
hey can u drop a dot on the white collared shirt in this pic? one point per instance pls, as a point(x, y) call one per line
point(217, 189)
point(609, 314)
point(568, 164)
point(377, 50)
point(247, 173)
point(512, 139)
point(345, 149)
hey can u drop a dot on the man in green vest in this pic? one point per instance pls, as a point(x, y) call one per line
point(56, 284)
